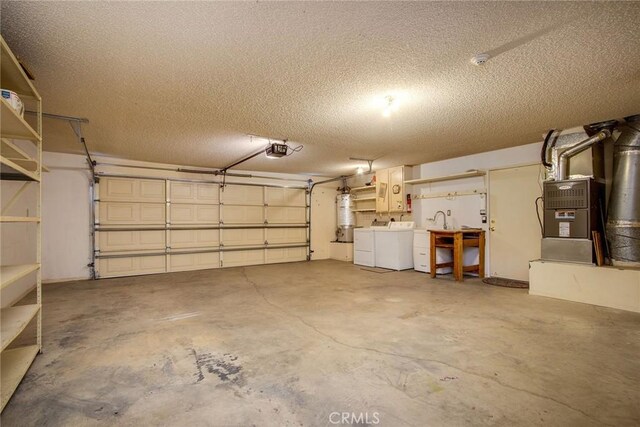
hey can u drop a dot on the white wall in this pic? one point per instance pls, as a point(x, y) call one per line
point(67, 217)
point(465, 210)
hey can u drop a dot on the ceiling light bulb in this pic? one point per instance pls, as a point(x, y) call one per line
point(390, 107)
point(359, 171)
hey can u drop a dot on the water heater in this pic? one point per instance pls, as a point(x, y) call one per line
point(346, 220)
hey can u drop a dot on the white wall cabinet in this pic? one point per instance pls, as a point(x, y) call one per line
point(391, 191)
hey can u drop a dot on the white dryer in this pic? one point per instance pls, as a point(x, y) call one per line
point(394, 246)
point(363, 248)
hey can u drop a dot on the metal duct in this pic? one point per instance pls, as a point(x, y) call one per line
point(577, 149)
point(623, 220)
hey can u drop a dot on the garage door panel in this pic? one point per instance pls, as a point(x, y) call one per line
point(243, 214)
point(286, 235)
point(119, 213)
point(131, 190)
point(285, 196)
point(131, 266)
point(286, 215)
point(194, 214)
point(131, 240)
point(199, 261)
point(192, 192)
point(285, 255)
point(240, 258)
point(193, 238)
point(243, 195)
point(243, 237)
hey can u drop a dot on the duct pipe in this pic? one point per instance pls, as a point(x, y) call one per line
point(577, 149)
point(623, 220)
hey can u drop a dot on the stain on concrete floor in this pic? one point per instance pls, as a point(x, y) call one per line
point(293, 344)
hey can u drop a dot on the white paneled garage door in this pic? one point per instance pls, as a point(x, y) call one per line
point(145, 226)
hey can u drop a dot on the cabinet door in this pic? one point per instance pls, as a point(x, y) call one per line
point(382, 191)
point(396, 189)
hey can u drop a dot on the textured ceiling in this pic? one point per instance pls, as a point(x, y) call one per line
point(187, 82)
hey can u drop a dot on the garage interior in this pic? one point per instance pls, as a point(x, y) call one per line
point(314, 213)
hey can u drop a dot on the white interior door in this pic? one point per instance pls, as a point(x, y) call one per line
point(514, 229)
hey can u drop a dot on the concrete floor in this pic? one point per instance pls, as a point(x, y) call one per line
point(293, 344)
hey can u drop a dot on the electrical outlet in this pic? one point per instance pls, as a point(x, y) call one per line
point(448, 212)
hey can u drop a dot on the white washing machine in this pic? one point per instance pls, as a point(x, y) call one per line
point(364, 243)
point(422, 253)
point(394, 246)
point(363, 248)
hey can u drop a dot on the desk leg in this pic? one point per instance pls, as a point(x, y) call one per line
point(481, 253)
point(458, 258)
point(433, 254)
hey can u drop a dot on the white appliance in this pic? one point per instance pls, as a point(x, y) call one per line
point(363, 244)
point(363, 249)
point(393, 246)
point(422, 253)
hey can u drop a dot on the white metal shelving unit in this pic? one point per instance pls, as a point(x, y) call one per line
point(18, 163)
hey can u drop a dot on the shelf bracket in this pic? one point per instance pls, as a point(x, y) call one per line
point(15, 197)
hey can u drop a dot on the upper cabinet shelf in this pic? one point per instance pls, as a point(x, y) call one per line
point(463, 175)
point(363, 188)
point(12, 75)
point(13, 126)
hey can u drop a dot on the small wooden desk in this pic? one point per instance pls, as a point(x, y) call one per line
point(457, 240)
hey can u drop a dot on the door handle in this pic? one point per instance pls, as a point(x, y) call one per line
point(492, 228)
